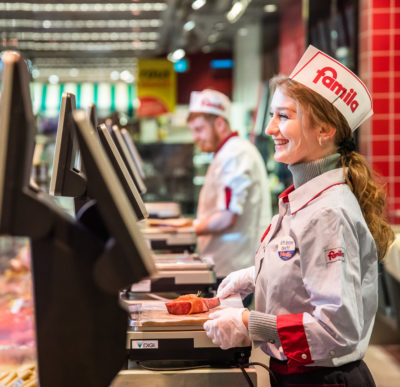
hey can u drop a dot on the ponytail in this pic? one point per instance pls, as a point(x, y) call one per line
point(371, 196)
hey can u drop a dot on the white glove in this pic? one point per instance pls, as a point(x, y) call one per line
point(226, 328)
point(240, 281)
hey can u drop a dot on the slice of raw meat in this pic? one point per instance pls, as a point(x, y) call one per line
point(190, 303)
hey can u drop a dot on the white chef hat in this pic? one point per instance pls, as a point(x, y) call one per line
point(210, 102)
point(336, 83)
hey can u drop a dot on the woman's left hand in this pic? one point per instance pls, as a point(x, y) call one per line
point(226, 328)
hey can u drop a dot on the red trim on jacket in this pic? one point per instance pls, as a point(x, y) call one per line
point(228, 196)
point(266, 233)
point(293, 339)
point(233, 134)
point(285, 194)
point(319, 193)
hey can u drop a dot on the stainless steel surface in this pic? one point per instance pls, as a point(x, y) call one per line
point(212, 377)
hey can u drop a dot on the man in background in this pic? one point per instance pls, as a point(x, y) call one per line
point(234, 207)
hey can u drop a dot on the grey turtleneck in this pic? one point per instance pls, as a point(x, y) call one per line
point(262, 327)
point(304, 172)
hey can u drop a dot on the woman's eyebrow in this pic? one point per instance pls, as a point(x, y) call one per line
point(286, 108)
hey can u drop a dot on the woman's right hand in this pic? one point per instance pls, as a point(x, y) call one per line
point(240, 281)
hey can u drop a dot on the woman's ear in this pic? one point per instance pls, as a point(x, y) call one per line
point(327, 132)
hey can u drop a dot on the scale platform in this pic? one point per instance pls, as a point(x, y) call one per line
point(171, 239)
point(171, 235)
point(181, 272)
point(163, 210)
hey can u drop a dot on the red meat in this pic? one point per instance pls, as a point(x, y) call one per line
point(190, 303)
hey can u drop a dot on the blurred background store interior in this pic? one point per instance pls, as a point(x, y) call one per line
point(104, 52)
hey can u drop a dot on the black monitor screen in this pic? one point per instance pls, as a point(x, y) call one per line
point(122, 172)
point(133, 151)
point(17, 133)
point(126, 156)
point(133, 258)
point(92, 113)
point(67, 179)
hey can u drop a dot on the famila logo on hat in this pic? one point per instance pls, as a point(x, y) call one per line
point(211, 102)
point(336, 83)
point(208, 102)
point(330, 81)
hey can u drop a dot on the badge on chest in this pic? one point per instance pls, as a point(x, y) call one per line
point(286, 248)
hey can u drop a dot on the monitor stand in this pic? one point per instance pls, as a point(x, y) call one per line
point(80, 327)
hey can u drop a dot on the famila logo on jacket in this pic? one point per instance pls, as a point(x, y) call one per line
point(335, 254)
point(332, 254)
point(328, 77)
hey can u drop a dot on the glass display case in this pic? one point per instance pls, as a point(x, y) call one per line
point(17, 331)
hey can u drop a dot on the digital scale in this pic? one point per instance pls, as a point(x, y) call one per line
point(170, 350)
point(163, 210)
point(156, 335)
point(171, 239)
point(180, 273)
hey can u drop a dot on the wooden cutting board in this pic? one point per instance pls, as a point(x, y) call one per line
point(155, 314)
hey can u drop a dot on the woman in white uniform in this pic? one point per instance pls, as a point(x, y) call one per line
point(315, 274)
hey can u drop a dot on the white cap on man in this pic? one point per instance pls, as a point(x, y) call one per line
point(210, 102)
point(336, 83)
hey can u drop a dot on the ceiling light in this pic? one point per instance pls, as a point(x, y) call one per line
point(126, 76)
point(30, 23)
point(123, 121)
point(74, 72)
point(83, 46)
point(270, 8)
point(237, 10)
point(189, 25)
point(85, 7)
point(176, 55)
point(35, 73)
point(197, 4)
point(78, 36)
point(53, 79)
point(114, 75)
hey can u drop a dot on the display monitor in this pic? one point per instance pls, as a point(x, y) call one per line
point(80, 328)
point(131, 254)
point(92, 114)
point(122, 172)
point(133, 151)
point(16, 145)
point(126, 156)
point(67, 177)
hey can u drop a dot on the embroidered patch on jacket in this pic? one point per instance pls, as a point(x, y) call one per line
point(286, 248)
point(333, 255)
